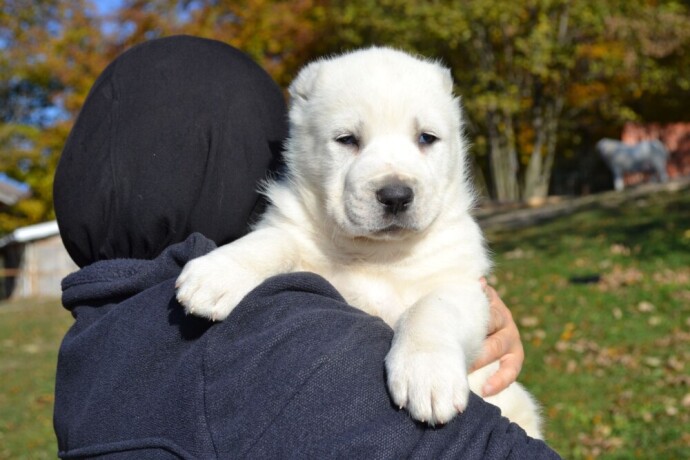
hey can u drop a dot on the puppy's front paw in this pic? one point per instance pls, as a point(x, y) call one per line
point(432, 385)
point(211, 286)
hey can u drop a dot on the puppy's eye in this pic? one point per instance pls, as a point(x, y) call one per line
point(427, 139)
point(348, 139)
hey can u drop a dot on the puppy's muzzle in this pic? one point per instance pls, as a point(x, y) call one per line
point(395, 197)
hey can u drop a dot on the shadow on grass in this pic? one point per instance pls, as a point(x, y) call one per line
point(654, 226)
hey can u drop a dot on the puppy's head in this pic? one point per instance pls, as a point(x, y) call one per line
point(376, 137)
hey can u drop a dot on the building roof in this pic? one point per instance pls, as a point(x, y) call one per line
point(12, 190)
point(30, 233)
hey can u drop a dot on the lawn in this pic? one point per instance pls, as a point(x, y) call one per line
point(602, 298)
point(603, 302)
point(30, 334)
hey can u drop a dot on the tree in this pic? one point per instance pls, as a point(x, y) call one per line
point(279, 35)
point(547, 62)
point(529, 70)
point(52, 51)
point(534, 75)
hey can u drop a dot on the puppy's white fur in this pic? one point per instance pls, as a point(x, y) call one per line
point(360, 122)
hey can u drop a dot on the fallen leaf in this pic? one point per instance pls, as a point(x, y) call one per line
point(652, 361)
point(619, 249)
point(529, 321)
point(646, 307)
point(685, 402)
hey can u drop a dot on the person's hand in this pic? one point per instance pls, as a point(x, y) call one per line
point(502, 344)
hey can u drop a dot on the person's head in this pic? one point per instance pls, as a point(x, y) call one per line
point(172, 139)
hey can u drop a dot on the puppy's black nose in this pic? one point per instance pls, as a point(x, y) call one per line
point(395, 197)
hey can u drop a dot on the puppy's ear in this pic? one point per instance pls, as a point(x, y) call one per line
point(303, 85)
point(447, 79)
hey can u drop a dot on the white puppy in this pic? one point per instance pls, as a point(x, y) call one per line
point(377, 201)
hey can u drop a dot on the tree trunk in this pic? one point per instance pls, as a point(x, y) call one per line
point(503, 160)
point(538, 174)
point(534, 170)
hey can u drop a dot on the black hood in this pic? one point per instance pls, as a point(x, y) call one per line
point(172, 139)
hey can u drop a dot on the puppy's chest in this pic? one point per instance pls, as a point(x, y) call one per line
point(385, 293)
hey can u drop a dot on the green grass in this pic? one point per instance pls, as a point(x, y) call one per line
point(30, 334)
point(608, 360)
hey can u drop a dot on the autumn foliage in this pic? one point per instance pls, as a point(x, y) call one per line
point(540, 79)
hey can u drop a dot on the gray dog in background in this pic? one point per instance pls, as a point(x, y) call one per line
point(644, 156)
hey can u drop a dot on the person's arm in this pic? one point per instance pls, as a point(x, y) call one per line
point(503, 344)
point(296, 372)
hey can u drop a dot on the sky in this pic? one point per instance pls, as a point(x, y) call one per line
point(107, 6)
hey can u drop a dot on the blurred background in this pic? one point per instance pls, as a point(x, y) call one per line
point(541, 82)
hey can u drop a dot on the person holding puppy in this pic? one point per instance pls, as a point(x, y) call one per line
point(161, 167)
